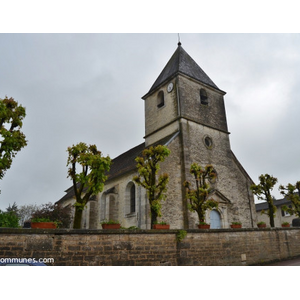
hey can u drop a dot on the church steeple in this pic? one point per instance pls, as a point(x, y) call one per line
point(183, 92)
point(181, 62)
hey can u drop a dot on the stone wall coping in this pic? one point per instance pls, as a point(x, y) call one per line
point(27, 231)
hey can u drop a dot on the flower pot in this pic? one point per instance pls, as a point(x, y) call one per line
point(206, 226)
point(285, 225)
point(261, 225)
point(43, 225)
point(111, 226)
point(161, 226)
point(236, 225)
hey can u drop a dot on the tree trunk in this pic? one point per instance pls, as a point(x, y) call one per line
point(271, 210)
point(153, 218)
point(272, 224)
point(200, 216)
point(77, 218)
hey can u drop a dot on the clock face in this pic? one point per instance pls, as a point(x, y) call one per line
point(170, 87)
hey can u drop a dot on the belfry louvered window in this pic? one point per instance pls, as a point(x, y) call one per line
point(160, 99)
point(203, 97)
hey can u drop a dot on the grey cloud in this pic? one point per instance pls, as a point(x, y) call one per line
point(88, 87)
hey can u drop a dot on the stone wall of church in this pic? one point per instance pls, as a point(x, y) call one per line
point(231, 182)
point(213, 114)
point(173, 208)
point(114, 203)
point(157, 117)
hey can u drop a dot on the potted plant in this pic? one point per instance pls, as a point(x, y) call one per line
point(203, 225)
point(43, 223)
point(51, 213)
point(111, 224)
point(161, 225)
point(261, 224)
point(236, 225)
point(285, 224)
point(198, 198)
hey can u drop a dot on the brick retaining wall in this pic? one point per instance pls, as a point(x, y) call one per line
point(218, 247)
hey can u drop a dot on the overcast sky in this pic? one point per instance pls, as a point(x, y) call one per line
point(88, 88)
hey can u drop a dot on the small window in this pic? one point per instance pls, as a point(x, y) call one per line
point(286, 213)
point(203, 97)
point(208, 142)
point(160, 99)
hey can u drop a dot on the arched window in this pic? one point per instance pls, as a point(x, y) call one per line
point(160, 99)
point(203, 97)
point(132, 199)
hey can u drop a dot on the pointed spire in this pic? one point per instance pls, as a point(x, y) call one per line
point(181, 62)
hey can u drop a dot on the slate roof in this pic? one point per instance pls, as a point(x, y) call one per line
point(181, 62)
point(264, 205)
point(124, 163)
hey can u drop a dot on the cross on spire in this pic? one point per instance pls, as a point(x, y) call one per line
point(179, 43)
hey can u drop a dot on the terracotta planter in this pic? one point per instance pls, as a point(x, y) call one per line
point(261, 225)
point(43, 225)
point(161, 226)
point(204, 226)
point(236, 225)
point(111, 226)
point(288, 225)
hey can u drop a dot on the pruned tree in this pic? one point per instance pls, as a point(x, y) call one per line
point(148, 166)
point(198, 197)
point(90, 181)
point(12, 140)
point(263, 192)
point(292, 193)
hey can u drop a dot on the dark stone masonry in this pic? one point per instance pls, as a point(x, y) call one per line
point(217, 247)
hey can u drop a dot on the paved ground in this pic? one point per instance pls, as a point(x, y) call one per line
point(290, 262)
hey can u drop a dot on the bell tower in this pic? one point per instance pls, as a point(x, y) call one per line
point(186, 105)
point(182, 91)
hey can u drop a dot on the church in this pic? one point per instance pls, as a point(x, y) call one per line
point(185, 111)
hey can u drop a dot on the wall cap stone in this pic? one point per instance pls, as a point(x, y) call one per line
point(127, 231)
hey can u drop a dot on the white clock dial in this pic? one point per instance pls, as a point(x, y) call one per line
point(170, 87)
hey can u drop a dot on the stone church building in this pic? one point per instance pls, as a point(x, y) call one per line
point(184, 110)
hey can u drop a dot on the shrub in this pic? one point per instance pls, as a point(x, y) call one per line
point(9, 219)
point(54, 213)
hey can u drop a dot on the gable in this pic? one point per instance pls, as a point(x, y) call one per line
point(221, 197)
